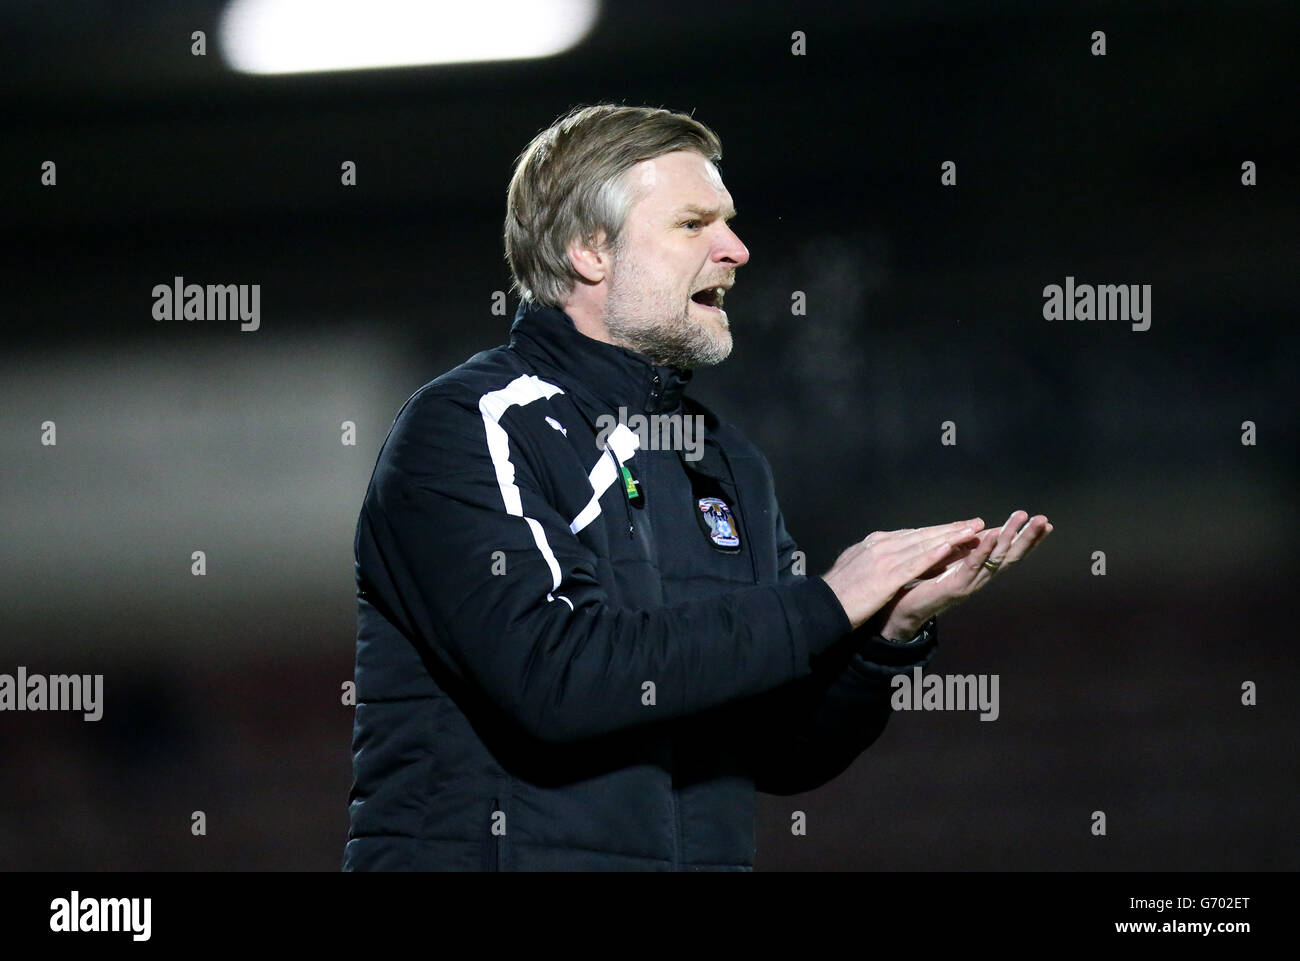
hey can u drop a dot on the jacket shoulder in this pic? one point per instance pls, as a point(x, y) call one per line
point(490, 382)
point(486, 371)
point(440, 429)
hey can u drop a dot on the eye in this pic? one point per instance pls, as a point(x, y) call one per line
point(688, 223)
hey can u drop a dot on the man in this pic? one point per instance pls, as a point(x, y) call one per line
point(579, 649)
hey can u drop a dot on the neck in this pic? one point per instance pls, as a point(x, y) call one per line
point(589, 319)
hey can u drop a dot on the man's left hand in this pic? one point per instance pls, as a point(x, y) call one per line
point(950, 582)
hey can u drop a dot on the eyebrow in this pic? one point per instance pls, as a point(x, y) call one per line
point(703, 211)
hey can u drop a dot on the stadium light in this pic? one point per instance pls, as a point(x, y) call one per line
point(311, 36)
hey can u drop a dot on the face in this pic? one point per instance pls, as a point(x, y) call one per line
point(675, 249)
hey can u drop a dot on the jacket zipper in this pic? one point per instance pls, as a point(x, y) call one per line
point(618, 479)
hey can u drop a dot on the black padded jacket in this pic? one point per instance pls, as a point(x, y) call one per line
point(565, 665)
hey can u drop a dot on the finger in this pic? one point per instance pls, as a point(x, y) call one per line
point(956, 554)
point(926, 546)
point(975, 562)
point(1006, 536)
point(955, 578)
point(1038, 524)
point(927, 538)
point(909, 535)
point(968, 568)
point(1047, 529)
point(1030, 536)
point(879, 537)
point(913, 565)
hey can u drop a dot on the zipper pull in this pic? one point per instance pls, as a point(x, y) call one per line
point(628, 483)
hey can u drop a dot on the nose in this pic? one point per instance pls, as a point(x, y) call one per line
point(730, 249)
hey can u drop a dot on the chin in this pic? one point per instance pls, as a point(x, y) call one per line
point(719, 350)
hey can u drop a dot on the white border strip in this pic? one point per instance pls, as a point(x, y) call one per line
point(521, 391)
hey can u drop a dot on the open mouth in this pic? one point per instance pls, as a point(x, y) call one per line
point(710, 297)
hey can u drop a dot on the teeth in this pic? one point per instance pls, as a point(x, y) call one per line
point(717, 292)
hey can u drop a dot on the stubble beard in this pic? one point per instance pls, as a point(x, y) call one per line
point(656, 326)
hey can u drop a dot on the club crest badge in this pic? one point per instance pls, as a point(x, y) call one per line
point(718, 523)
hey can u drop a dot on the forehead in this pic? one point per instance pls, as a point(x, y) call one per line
point(675, 181)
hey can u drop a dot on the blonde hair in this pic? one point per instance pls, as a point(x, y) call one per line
point(570, 182)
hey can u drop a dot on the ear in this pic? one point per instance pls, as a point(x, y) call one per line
point(591, 258)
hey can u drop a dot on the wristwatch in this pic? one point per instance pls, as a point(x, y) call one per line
point(929, 630)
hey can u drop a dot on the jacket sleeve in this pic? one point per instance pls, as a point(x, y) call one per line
point(808, 732)
point(458, 546)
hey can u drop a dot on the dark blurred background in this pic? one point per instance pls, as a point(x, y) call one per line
point(1119, 693)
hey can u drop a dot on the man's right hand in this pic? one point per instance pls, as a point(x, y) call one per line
point(871, 571)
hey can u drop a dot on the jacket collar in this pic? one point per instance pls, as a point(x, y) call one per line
point(617, 376)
